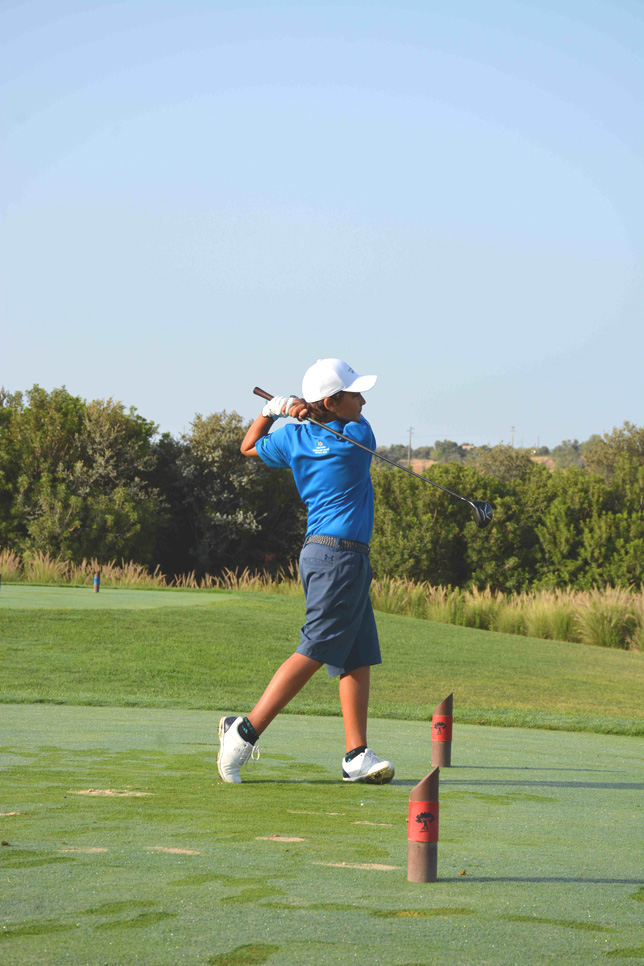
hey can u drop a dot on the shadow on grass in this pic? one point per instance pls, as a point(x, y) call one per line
point(600, 771)
point(579, 880)
point(610, 786)
point(294, 781)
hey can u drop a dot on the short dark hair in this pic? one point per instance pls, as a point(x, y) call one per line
point(318, 410)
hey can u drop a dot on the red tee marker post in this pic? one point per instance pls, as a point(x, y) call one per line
point(442, 733)
point(422, 830)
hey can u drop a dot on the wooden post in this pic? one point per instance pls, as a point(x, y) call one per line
point(422, 830)
point(97, 583)
point(442, 733)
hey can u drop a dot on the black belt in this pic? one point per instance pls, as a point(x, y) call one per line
point(339, 543)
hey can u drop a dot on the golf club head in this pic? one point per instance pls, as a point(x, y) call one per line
point(482, 513)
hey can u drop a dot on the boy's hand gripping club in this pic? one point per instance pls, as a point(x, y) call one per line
point(481, 510)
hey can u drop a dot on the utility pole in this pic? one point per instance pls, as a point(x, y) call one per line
point(411, 429)
point(512, 443)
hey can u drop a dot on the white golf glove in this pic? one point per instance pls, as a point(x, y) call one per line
point(274, 407)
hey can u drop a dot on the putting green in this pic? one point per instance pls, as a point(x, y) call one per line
point(108, 598)
point(122, 846)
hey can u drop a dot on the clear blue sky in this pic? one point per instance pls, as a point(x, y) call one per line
point(198, 197)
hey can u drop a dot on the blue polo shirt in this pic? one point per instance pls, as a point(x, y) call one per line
point(331, 475)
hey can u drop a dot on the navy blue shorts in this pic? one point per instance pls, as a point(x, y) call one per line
point(340, 629)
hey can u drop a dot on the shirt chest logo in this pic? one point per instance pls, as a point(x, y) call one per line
point(320, 448)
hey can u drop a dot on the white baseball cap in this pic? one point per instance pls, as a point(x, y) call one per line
point(329, 376)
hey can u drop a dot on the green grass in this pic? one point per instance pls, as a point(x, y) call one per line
point(603, 617)
point(208, 649)
point(121, 846)
point(294, 868)
point(47, 597)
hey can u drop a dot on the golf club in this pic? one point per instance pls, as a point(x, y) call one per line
point(481, 510)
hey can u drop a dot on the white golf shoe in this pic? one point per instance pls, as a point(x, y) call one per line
point(367, 767)
point(233, 750)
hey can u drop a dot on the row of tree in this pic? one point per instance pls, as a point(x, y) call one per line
point(567, 528)
point(85, 480)
point(93, 480)
point(570, 452)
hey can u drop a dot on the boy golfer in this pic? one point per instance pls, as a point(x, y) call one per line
point(333, 479)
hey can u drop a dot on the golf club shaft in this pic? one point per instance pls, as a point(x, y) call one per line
point(385, 459)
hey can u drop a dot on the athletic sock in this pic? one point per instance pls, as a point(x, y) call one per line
point(247, 732)
point(350, 755)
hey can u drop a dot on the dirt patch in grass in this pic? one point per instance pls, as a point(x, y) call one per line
point(172, 851)
point(280, 838)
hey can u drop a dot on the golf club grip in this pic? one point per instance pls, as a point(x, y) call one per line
point(262, 393)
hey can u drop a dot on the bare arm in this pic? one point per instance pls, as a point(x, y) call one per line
point(261, 427)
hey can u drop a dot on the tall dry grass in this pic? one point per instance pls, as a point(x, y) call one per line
point(42, 568)
point(613, 617)
point(285, 582)
point(10, 565)
point(605, 617)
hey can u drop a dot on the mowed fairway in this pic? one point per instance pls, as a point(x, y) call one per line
point(125, 848)
point(122, 846)
point(214, 649)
